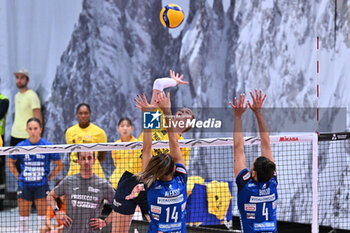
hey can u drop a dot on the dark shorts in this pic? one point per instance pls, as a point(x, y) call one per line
point(125, 186)
point(33, 193)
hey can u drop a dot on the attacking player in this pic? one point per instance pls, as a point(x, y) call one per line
point(257, 188)
point(125, 209)
point(165, 178)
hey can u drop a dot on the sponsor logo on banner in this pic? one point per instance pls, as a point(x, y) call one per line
point(170, 200)
point(250, 207)
point(246, 176)
point(74, 203)
point(250, 215)
point(269, 198)
point(75, 188)
point(156, 209)
point(289, 139)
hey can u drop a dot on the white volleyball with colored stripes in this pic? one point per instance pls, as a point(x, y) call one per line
point(171, 16)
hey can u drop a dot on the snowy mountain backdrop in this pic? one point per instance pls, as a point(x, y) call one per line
point(118, 48)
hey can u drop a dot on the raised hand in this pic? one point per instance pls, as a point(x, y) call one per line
point(177, 78)
point(164, 101)
point(258, 101)
point(239, 107)
point(143, 104)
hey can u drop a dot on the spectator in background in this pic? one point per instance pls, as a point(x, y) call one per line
point(124, 160)
point(4, 105)
point(34, 176)
point(27, 105)
point(85, 132)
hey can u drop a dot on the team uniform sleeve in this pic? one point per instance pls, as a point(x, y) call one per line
point(181, 171)
point(60, 188)
point(102, 137)
point(35, 101)
point(109, 193)
point(242, 179)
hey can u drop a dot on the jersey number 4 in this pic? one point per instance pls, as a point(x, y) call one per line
point(265, 211)
point(174, 215)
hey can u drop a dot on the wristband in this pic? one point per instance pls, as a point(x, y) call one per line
point(55, 210)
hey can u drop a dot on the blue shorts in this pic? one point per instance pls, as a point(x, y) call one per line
point(125, 186)
point(33, 193)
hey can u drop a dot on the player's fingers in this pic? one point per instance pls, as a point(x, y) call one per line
point(231, 104)
point(256, 93)
point(144, 98)
point(263, 98)
point(250, 106)
point(251, 94)
point(236, 101)
point(260, 93)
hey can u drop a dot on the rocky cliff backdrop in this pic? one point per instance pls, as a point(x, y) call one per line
point(118, 48)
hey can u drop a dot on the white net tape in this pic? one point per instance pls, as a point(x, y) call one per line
point(156, 145)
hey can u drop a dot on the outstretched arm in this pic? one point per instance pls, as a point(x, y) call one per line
point(161, 83)
point(256, 107)
point(165, 104)
point(238, 141)
point(143, 105)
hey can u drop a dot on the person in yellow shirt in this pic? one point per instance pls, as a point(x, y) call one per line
point(125, 160)
point(126, 208)
point(27, 105)
point(82, 133)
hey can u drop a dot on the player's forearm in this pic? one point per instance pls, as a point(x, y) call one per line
point(51, 201)
point(12, 167)
point(146, 148)
point(37, 114)
point(264, 136)
point(238, 139)
point(56, 170)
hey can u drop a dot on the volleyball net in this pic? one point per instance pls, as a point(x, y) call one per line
point(313, 184)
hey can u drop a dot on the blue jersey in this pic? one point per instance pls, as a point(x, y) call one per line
point(167, 203)
point(35, 168)
point(257, 203)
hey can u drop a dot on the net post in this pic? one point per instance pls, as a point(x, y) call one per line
point(314, 225)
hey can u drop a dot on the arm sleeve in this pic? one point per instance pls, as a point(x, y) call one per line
point(181, 171)
point(109, 195)
point(161, 83)
point(4, 105)
point(35, 101)
point(242, 179)
point(60, 188)
point(102, 137)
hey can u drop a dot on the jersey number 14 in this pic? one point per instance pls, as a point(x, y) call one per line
point(174, 215)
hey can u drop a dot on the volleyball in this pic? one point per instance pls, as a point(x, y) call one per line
point(171, 16)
